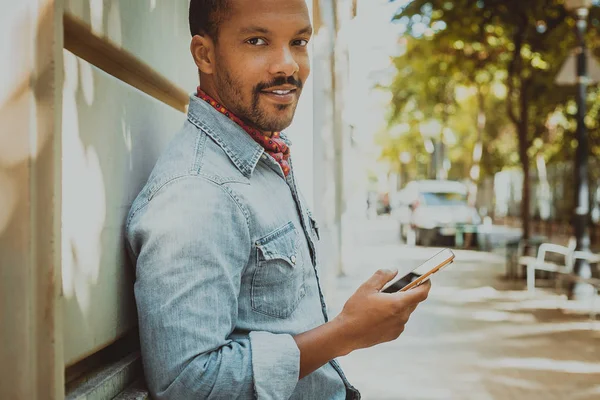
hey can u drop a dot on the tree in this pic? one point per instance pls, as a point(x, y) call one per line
point(526, 40)
point(424, 89)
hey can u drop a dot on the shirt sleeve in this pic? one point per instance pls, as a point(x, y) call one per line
point(276, 364)
point(192, 242)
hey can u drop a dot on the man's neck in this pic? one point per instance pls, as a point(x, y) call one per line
point(210, 90)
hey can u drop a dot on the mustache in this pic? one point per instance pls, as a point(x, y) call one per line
point(280, 81)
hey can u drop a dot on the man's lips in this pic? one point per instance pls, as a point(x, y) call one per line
point(281, 94)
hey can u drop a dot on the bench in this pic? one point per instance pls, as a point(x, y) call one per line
point(515, 248)
point(540, 263)
point(564, 270)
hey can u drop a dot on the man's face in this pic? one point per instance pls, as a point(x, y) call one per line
point(261, 60)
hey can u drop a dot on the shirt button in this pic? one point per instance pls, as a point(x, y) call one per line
point(293, 260)
point(264, 156)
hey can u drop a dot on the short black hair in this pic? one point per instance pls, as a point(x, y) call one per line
point(206, 15)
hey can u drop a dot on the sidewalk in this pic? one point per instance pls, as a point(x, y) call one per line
point(477, 336)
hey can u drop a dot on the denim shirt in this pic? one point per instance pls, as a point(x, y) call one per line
point(226, 271)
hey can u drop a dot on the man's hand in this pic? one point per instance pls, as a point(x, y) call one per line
point(370, 317)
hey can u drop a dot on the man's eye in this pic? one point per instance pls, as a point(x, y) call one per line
point(300, 42)
point(256, 42)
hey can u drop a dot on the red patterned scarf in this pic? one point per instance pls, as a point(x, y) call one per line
point(274, 145)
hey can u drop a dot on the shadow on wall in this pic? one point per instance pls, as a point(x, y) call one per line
point(28, 87)
point(26, 219)
point(112, 136)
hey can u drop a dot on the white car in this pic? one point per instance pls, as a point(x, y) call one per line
point(434, 210)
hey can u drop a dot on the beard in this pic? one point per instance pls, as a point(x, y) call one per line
point(251, 112)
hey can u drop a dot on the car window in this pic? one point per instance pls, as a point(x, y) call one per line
point(444, 199)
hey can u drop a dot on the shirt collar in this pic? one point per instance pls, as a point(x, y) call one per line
point(243, 151)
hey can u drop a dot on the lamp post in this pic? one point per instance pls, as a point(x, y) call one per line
point(582, 210)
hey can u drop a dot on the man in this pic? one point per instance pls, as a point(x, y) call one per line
point(227, 287)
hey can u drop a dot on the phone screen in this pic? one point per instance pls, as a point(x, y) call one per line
point(421, 273)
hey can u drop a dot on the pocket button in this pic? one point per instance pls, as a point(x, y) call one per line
point(293, 260)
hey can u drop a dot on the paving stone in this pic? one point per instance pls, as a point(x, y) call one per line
point(477, 337)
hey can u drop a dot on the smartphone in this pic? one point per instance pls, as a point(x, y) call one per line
point(421, 274)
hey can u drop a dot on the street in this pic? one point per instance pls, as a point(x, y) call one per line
point(478, 336)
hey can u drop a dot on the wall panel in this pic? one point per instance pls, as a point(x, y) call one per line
point(30, 50)
point(155, 31)
point(112, 136)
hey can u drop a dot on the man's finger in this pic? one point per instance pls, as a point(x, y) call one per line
point(416, 294)
point(378, 280)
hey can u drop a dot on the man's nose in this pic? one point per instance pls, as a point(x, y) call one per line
point(284, 63)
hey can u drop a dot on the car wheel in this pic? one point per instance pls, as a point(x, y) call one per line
point(426, 238)
point(475, 240)
point(423, 237)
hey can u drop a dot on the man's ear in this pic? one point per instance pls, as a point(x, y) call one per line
point(202, 49)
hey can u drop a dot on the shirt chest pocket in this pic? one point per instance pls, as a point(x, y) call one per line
point(278, 281)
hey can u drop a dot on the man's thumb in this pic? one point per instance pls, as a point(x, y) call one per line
point(379, 279)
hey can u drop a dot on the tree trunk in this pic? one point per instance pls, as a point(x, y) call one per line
point(522, 120)
point(478, 150)
point(525, 217)
point(523, 129)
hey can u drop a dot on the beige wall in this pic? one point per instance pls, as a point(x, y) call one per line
point(155, 31)
point(87, 169)
point(31, 352)
point(112, 135)
point(330, 133)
